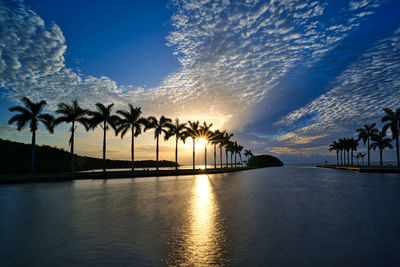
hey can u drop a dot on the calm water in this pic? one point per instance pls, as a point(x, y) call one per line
point(290, 216)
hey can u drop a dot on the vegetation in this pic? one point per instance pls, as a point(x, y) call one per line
point(32, 113)
point(264, 161)
point(72, 114)
point(15, 158)
point(373, 137)
point(122, 122)
point(131, 120)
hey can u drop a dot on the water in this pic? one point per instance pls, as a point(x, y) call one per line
point(290, 216)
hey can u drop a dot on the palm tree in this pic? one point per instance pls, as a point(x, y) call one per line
point(239, 149)
point(221, 145)
point(335, 146)
point(380, 142)
point(177, 130)
point(104, 118)
point(160, 127)
point(248, 154)
point(131, 120)
point(357, 157)
point(32, 113)
point(362, 156)
point(193, 131)
point(229, 148)
point(366, 133)
point(72, 114)
point(342, 147)
point(353, 144)
point(205, 133)
point(226, 138)
point(393, 119)
point(215, 139)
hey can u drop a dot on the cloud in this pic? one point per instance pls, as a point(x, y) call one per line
point(288, 70)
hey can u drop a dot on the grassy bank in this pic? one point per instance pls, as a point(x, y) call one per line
point(68, 176)
point(363, 168)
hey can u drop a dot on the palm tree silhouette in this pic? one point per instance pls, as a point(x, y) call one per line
point(380, 142)
point(366, 133)
point(357, 157)
point(32, 113)
point(131, 120)
point(248, 153)
point(341, 142)
point(215, 139)
point(179, 131)
point(193, 131)
point(362, 155)
point(160, 127)
point(205, 133)
point(104, 118)
point(393, 119)
point(353, 144)
point(335, 146)
point(72, 114)
point(226, 138)
point(239, 149)
point(221, 142)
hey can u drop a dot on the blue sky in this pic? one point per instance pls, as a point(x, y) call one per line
point(287, 77)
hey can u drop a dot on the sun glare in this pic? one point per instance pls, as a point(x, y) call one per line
point(200, 143)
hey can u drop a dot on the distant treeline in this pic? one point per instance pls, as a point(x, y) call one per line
point(264, 161)
point(15, 157)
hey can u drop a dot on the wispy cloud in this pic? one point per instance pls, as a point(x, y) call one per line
point(291, 70)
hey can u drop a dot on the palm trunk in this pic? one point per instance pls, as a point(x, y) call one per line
point(397, 150)
point(235, 161)
point(344, 157)
point(194, 155)
point(231, 160)
point(133, 149)
point(72, 147)
point(369, 162)
point(352, 157)
point(33, 148)
point(176, 152)
point(348, 157)
point(215, 156)
point(104, 148)
point(341, 157)
point(220, 155)
point(205, 156)
point(337, 157)
point(157, 154)
point(380, 156)
point(226, 158)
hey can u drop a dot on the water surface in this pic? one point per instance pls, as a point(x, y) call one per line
point(295, 215)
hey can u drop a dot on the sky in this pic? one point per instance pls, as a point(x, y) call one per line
point(286, 77)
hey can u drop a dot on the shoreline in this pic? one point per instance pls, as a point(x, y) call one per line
point(63, 177)
point(393, 169)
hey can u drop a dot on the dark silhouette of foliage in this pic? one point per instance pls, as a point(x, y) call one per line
point(380, 141)
point(104, 118)
point(72, 114)
point(264, 161)
point(32, 113)
point(161, 127)
point(365, 134)
point(179, 131)
point(393, 123)
point(131, 120)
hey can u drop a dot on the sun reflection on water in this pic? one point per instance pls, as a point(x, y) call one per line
point(203, 240)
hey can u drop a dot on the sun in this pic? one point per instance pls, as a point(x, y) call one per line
point(200, 142)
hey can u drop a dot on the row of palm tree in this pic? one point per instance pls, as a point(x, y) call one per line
point(127, 120)
point(373, 137)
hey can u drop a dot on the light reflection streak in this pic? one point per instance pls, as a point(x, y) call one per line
point(203, 240)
